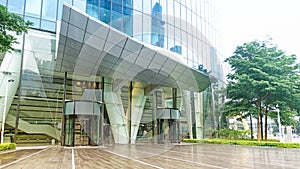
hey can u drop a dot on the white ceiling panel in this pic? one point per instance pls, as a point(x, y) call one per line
point(159, 59)
point(94, 41)
point(78, 20)
point(142, 62)
point(63, 28)
point(75, 33)
point(112, 49)
point(73, 43)
point(116, 38)
point(133, 46)
point(90, 50)
point(147, 53)
point(66, 13)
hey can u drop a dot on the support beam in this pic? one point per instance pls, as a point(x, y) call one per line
point(187, 108)
point(135, 109)
point(116, 114)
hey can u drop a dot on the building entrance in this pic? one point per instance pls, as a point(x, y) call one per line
point(168, 125)
point(82, 123)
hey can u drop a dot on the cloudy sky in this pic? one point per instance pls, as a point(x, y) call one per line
point(246, 20)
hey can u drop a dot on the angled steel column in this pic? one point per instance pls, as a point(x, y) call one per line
point(63, 120)
point(130, 111)
point(102, 114)
point(19, 91)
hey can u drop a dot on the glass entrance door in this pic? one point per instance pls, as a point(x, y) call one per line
point(82, 127)
point(86, 130)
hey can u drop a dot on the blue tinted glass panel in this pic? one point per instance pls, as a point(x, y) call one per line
point(105, 4)
point(16, 6)
point(127, 20)
point(157, 26)
point(118, 1)
point(33, 8)
point(116, 16)
point(92, 8)
point(35, 21)
point(105, 11)
point(48, 25)
point(105, 15)
point(80, 4)
point(127, 25)
point(117, 8)
point(128, 3)
point(49, 9)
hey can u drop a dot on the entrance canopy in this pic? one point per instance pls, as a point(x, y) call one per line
point(90, 47)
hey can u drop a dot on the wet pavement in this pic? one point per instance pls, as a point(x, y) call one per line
point(152, 156)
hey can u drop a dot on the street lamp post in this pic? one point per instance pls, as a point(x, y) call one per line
point(4, 110)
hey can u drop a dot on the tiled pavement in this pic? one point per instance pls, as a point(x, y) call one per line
point(144, 156)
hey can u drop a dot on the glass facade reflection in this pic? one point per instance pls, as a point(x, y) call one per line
point(185, 27)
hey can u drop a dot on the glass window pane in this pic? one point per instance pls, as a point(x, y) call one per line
point(127, 20)
point(137, 5)
point(49, 10)
point(137, 25)
point(188, 4)
point(48, 25)
point(35, 21)
point(80, 4)
point(170, 12)
point(164, 7)
point(105, 11)
point(146, 29)
point(128, 3)
point(16, 6)
point(171, 37)
point(147, 6)
point(118, 1)
point(92, 8)
point(60, 5)
point(33, 8)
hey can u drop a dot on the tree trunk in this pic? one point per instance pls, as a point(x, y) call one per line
point(258, 120)
point(251, 127)
point(261, 125)
point(266, 124)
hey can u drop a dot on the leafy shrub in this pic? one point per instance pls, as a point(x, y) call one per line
point(245, 142)
point(233, 134)
point(7, 146)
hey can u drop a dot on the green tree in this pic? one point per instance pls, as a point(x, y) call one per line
point(263, 76)
point(10, 23)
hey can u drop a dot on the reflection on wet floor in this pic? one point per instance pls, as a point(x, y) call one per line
point(11, 156)
point(153, 156)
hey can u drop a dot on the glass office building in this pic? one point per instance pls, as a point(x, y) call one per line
point(91, 72)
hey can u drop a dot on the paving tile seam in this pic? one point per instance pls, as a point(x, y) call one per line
point(142, 162)
point(273, 162)
point(218, 157)
point(213, 157)
point(21, 159)
point(269, 164)
point(239, 154)
point(105, 161)
point(187, 161)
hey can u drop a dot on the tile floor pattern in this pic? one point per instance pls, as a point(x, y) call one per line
point(144, 156)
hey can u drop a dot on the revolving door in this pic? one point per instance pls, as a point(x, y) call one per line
point(168, 125)
point(82, 123)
